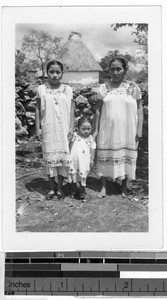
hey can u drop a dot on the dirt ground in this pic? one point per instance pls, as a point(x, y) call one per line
point(110, 214)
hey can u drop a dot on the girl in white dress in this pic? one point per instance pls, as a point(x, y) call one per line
point(119, 121)
point(82, 155)
point(54, 114)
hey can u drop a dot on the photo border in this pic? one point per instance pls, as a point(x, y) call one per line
point(84, 241)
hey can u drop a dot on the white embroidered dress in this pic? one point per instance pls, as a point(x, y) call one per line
point(81, 157)
point(55, 123)
point(116, 145)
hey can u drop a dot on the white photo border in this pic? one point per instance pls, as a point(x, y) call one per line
point(13, 240)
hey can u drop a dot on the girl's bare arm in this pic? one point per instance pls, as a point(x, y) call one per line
point(71, 128)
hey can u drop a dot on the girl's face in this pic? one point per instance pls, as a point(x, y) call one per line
point(55, 74)
point(85, 129)
point(116, 71)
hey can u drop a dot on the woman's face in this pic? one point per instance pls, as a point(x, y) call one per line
point(116, 71)
point(55, 74)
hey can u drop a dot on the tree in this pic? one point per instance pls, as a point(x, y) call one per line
point(41, 47)
point(139, 30)
point(19, 59)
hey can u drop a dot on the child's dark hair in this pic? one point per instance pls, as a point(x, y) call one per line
point(84, 120)
point(54, 62)
point(121, 59)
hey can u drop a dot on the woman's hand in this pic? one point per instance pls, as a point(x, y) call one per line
point(137, 138)
point(70, 134)
point(38, 136)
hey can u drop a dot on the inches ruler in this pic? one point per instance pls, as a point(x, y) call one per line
point(86, 273)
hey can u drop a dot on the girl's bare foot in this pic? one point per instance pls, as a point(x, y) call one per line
point(102, 193)
point(124, 191)
point(50, 195)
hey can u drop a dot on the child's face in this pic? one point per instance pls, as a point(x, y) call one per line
point(55, 74)
point(85, 129)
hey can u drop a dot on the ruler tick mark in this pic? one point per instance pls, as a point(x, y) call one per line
point(99, 285)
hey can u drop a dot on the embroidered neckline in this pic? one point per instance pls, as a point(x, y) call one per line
point(47, 86)
point(125, 86)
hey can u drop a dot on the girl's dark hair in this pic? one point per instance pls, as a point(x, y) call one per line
point(84, 120)
point(121, 59)
point(54, 62)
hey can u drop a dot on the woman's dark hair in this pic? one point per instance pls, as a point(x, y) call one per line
point(121, 59)
point(84, 120)
point(54, 62)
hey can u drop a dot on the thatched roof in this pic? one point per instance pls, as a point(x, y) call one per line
point(77, 57)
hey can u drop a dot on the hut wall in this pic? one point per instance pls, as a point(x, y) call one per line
point(81, 77)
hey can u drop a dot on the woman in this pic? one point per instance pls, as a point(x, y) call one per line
point(54, 112)
point(119, 122)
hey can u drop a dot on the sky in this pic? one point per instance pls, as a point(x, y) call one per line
point(98, 38)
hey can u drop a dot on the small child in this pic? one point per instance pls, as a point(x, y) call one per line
point(82, 154)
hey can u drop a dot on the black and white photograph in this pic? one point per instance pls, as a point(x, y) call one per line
point(84, 111)
point(82, 127)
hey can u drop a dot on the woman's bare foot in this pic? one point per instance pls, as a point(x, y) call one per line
point(102, 193)
point(60, 194)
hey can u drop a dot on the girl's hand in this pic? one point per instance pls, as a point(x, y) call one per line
point(70, 134)
point(38, 136)
point(95, 134)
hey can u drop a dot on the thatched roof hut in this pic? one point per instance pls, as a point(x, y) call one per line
point(80, 64)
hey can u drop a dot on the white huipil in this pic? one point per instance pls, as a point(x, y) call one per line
point(81, 157)
point(116, 145)
point(55, 124)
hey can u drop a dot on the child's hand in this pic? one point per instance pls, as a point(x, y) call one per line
point(91, 162)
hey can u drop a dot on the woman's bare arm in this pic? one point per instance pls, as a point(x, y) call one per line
point(38, 117)
point(140, 119)
point(98, 114)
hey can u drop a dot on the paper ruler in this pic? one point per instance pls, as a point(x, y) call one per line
point(86, 273)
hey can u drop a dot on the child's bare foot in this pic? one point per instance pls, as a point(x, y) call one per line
point(102, 193)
